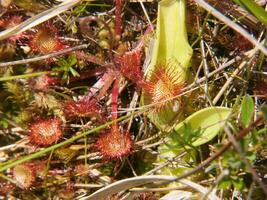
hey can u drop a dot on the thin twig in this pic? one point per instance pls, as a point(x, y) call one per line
point(176, 159)
point(216, 182)
point(147, 17)
point(30, 60)
point(39, 18)
point(206, 70)
point(229, 81)
point(232, 24)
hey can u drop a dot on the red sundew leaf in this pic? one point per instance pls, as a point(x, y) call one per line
point(46, 40)
point(43, 82)
point(12, 21)
point(6, 187)
point(114, 144)
point(163, 84)
point(82, 108)
point(129, 65)
point(45, 131)
point(170, 46)
point(24, 175)
point(161, 90)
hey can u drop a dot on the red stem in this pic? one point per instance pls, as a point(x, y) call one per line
point(118, 5)
point(114, 99)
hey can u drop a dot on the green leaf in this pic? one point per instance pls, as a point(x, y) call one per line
point(172, 53)
point(239, 184)
point(74, 72)
point(256, 10)
point(30, 5)
point(247, 110)
point(264, 111)
point(171, 40)
point(72, 60)
point(209, 121)
point(67, 66)
point(225, 183)
point(3, 123)
point(186, 139)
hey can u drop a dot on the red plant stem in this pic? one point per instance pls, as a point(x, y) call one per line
point(114, 99)
point(118, 6)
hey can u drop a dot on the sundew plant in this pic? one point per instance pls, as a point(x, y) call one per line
point(133, 99)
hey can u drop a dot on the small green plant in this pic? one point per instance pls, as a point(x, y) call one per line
point(67, 67)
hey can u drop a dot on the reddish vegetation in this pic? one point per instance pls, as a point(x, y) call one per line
point(260, 89)
point(67, 192)
point(129, 65)
point(11, 21)
point(82, 108)
point(46, 40)
point(240, 43)
point(46, 132)
point(81, 169)
point(128, 99)
point(24, 175)
point(6, 187)
point(163, 84)
point(114, 144)
point(43, 82)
